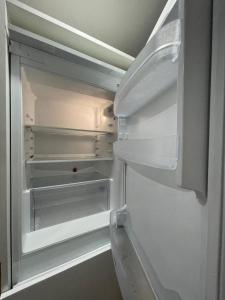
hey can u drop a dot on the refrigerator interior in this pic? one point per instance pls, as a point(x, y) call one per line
point(65, 123)
point(67, 131)
point(64, 119)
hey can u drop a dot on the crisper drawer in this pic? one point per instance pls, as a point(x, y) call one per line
point(54, 205)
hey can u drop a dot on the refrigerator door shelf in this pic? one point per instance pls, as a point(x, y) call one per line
point(152, 73)
point(160, 153)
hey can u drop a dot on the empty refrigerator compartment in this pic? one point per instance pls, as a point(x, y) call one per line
point(70, 104)
point(78, 171)
point(69, 130)
point(74, 121)
point(51, 143)
point(62, 204)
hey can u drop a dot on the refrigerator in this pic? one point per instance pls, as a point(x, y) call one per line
point(100, 159)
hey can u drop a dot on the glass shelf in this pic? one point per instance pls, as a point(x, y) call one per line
point(51, 182)
point(55, 160)
point(67, 131)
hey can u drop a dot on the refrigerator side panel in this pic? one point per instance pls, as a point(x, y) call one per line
point(16, 164)
point(216, 160)
point(4, 153)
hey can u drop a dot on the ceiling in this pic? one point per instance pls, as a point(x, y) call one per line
point(123, 24)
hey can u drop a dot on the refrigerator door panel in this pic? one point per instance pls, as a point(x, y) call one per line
point(167, 228)
point(162, 106)
point(176, 58)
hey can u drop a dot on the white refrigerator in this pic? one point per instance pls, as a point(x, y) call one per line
point(100, 159)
